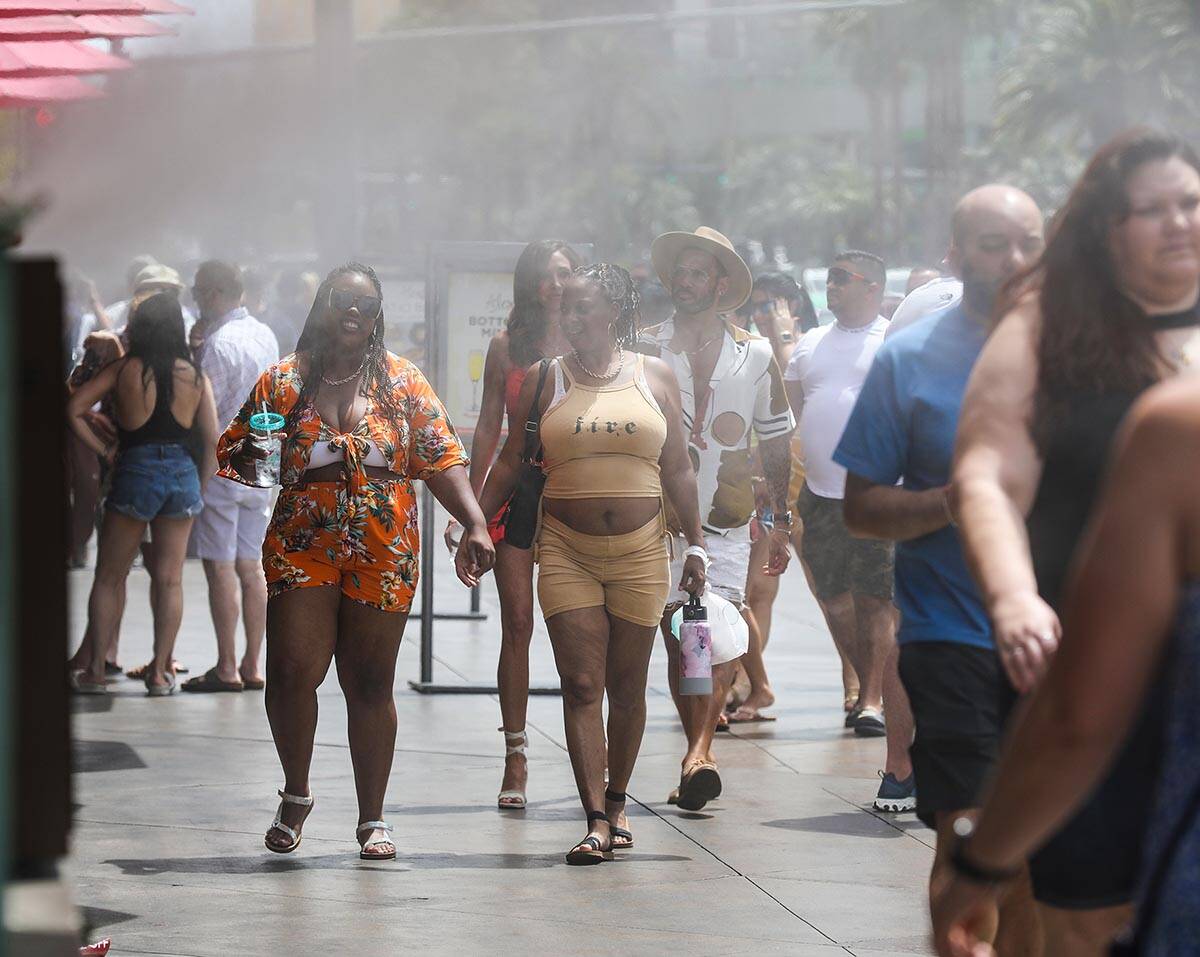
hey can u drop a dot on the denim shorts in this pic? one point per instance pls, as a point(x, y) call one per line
point(155, 481)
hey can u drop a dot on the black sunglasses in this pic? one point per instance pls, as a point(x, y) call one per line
point(839, 277)
point(368, 306)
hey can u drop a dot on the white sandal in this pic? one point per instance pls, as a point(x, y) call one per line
point(513, 800)
point(278, 825)
point(378, 842)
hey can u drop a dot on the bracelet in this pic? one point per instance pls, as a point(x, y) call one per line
point(697, 551)
point(976, 873)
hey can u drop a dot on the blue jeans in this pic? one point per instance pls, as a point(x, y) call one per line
point(155, 481)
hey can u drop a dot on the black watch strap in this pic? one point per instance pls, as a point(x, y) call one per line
point(963, 866)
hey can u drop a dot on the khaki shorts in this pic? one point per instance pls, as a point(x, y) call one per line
point(625, 574)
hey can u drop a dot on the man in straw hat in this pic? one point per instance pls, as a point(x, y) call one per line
point(732, 389)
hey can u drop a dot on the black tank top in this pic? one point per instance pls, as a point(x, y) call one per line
point(161, 429)
point(1074, 467)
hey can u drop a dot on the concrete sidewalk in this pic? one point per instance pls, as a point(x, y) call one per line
point(173, 797)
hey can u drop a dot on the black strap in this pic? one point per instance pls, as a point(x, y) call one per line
point(597, 816)
point(617, 797)
point(535, 417)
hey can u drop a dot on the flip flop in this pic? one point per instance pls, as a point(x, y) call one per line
point(139, 673)
point(209, 682)
point(749, 716)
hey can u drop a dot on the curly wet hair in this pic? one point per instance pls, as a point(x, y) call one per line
point(620, 290)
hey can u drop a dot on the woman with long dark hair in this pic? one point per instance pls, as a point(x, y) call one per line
point(166, 421)
point(341, 553)
point(1103, 314)
point(532, 332)
point(611, 429)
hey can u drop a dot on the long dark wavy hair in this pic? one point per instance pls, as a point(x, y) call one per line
point(1094, 338)
point(157, 338)
point(314, 340)
point(527, 322)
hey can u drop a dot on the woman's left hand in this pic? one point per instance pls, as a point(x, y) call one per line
point(475, 556)
point(694, 575)
point(958, 907)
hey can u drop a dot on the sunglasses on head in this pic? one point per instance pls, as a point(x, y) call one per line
point(368, 306)
point(838, 276)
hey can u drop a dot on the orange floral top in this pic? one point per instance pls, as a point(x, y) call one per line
point(417, 445)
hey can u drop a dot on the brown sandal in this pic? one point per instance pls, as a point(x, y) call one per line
point(700, 784)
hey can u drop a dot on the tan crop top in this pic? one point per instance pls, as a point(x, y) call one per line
point(602, 441)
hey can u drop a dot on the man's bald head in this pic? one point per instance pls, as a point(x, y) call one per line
point(997, 231)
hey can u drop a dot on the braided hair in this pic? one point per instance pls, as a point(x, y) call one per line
point(620, 290)
point(314, 340)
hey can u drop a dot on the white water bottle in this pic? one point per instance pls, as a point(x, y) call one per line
point(695, 650)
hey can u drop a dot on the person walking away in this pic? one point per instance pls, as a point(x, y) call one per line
point(531, 333)
point(165, 420)
point(732, 392)
point(903, 427)
point(612, 439)
point(234, 349)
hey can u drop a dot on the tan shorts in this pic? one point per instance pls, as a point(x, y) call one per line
point(625, 574)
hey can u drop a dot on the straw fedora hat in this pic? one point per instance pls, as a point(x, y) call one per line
point(665, 250)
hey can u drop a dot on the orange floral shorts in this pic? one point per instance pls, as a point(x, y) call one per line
point(363, 540)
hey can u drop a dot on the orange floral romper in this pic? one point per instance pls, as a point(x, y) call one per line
point(359, 534)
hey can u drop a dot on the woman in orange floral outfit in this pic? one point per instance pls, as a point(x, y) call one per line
point(341, 552)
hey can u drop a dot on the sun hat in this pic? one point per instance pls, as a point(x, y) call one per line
point(157, 274)
point(665, 250)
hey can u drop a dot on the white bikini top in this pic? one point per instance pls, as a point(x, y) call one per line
point(326, 453)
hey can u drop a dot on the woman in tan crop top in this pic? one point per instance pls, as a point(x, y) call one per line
point(613, 444)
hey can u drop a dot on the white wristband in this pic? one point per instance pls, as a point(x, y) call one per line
point(697, 551)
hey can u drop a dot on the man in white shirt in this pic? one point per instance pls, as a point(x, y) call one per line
point(851, 577)
point(233, 349)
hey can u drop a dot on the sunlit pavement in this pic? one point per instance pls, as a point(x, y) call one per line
point(174, 795)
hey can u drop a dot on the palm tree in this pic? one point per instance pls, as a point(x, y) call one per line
point(1085, 69)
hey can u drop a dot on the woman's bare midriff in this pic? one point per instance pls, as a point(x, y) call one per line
point(602, 516)
point(335, 472)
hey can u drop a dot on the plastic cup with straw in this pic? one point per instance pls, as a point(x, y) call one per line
point(264, 433)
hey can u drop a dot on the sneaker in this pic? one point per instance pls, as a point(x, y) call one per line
point(896, 796)
point(869, 724)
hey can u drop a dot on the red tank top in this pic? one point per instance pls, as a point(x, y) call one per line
point(512, 388)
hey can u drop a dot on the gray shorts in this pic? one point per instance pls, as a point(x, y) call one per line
point(729, 565)
point(839, 562)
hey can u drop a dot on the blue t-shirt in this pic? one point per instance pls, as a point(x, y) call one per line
point(903, 426)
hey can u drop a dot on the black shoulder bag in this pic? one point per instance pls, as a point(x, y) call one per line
point(521, 516)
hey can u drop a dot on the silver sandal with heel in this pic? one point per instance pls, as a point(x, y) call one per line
point(515, 742)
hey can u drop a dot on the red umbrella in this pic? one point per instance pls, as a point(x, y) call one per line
point(119, 27)
point(22, 92)
point(25, 8)
point(50, 27)
point(54, 58)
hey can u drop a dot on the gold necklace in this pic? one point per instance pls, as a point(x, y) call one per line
point(607, 376)
point(350, 378)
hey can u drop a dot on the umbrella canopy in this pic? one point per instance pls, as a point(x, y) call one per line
point(113, 27)
point(49, 27)
point(25, 8)
point(54, 58)
point(22, 92)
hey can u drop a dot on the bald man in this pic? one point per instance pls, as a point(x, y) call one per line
point(902, 428)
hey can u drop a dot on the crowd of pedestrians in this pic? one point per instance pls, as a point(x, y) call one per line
point(992, 495)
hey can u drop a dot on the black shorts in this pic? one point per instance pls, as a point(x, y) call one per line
point(961, 701)
point(839, 562)
point(1093, 861)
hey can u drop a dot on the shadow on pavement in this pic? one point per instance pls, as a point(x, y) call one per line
point(151, 867)
point(104, 756)
point(849, 823)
